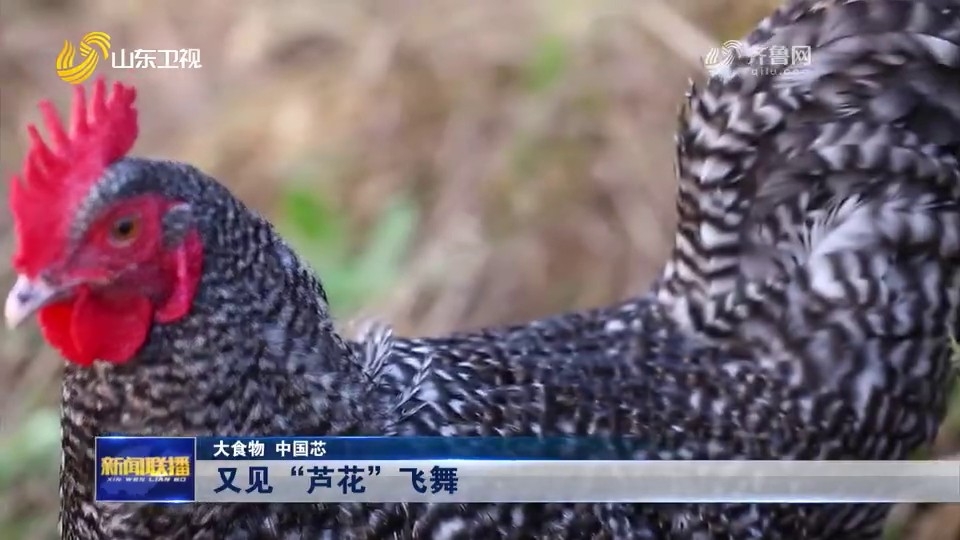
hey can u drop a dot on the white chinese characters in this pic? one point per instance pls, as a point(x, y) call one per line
point(306, 448)
point(772, 60)
point(156, 59)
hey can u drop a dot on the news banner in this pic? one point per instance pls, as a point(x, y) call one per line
point(479, 469)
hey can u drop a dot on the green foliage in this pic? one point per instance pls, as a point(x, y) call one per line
point(952, 422)
point(28, 455)
point(894, 530)
point(30, 448)
point(321, 233)
point(547, 64)
point(545, 67)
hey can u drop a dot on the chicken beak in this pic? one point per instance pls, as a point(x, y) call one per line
point(25, 298)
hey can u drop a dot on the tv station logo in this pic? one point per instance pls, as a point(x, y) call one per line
point(76, 63)
point(145, 469)
point(152, 469)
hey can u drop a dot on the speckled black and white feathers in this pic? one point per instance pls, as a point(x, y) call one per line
point(817, 252)
point(768, 158)
point(810, 396)
point(256, 355)
point(846, 168)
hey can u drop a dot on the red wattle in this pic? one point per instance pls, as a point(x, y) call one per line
point(110, 328)
point(90, 327)
point(54, 321)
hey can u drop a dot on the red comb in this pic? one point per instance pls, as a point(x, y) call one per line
point(55, 178)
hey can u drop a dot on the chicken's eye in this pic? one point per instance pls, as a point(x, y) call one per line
point(124, 230)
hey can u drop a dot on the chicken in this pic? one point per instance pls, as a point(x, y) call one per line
point(803, 315)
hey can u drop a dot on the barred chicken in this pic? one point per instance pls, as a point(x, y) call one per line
point(804, 313)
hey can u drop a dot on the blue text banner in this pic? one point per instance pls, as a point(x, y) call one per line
point(486, 469)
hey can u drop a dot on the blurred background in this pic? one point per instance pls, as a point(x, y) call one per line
point(443, 164)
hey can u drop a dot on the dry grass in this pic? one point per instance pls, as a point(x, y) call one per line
point(533, 139)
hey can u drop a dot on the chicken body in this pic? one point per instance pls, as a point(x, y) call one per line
point(246, 361)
